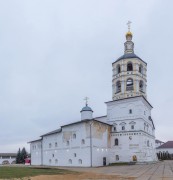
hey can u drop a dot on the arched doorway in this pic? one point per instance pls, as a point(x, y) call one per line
point(134, 158)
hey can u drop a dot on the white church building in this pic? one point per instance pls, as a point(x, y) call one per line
point(125, 134)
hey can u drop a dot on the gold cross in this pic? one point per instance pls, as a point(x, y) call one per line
point(86, 99)
point(128, 24)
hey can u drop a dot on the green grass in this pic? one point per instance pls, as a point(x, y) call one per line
point(7, 172)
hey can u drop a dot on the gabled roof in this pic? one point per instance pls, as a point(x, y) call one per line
point(168, 144)
point(35, 140)
point(158, 141)
point(52, 132)
point(85, 120)
point(8, 154)
point(60, 129)
point(99, 117)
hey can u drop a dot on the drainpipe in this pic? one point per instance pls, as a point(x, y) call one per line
point(42, 152)
point(91, 142)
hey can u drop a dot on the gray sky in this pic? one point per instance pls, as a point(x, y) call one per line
point(53, 53)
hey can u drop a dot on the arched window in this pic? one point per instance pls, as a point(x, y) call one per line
point(83, 141)
point(74, 136)
point(130, 111)
point(123, 128)
point(141, 85)
point(129, 84)
point(70, 161)
point(118, 87)
point(116, 142)
point(141, 69)
point(132, 127)
point(129, 66)
point(80, 161)
point(115, 129)
point(118, 69)
point(117, 158)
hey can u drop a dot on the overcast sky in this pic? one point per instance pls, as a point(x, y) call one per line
point(53, 53)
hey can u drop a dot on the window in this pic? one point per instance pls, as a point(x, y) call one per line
point(74, 136)
point(116, 142)
point(50, 161)
point(83, 141)
point(117, 158)
point(123, 128)
point(132, 126)
point(50, 145)
point(130, 111)
point(129, 67)
point(148, 143)
point(56, 161)
point(74, 154)
point(53, 155)
point(68, 143)
point(115, 129)
point(118, 69)
point(56, 144)
point(80, 161)
point(118, 86)
point(70, 161)
point(129, 84)
point(141, 69)
point(141, 86)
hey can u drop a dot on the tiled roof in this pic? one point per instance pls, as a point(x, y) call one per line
point(168, 144)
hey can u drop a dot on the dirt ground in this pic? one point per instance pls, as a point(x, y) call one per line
point(79, 176)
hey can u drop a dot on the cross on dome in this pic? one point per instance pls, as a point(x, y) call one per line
point(86, 100)
point(128, 24)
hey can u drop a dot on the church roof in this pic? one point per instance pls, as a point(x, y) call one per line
point(166, 145)
point(52, 132)
point(127, 56)
point(131, 98)
point(7, 154)
point(60, 129)
point(35, 140)
point(158, 141)
point(86, 120)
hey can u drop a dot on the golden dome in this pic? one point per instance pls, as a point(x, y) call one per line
point(129, 33)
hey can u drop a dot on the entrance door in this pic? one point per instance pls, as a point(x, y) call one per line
point(104, 161)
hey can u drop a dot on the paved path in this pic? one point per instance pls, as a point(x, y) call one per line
point(158, 171)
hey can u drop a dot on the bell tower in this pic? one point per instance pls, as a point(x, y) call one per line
point(129, 77)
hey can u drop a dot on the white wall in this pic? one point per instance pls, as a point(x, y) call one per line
point(35, 148)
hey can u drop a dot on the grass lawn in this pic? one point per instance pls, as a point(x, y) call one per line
point(7, 172)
